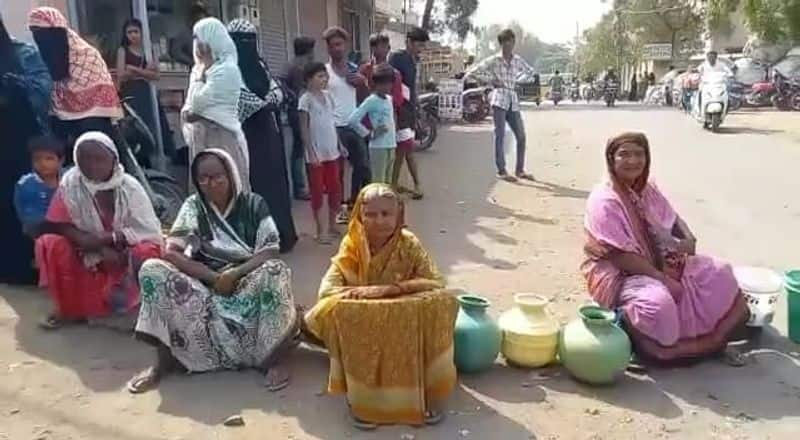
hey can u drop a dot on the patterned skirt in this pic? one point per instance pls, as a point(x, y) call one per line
point(206, 331)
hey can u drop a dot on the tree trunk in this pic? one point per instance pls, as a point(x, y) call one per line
point(426, 15)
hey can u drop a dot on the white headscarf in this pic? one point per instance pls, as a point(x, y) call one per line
point(134, 216)
point(216, 98)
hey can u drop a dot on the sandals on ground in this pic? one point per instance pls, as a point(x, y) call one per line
point(145, 381)
point(433, 417)
point(276, 379)
point(732, 357)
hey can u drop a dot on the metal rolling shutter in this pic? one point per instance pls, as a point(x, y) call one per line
point(273, 34)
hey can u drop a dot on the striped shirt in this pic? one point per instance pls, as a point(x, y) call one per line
point(496, 67)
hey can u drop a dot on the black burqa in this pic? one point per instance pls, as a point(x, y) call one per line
point(18, 123)
point(268, 173)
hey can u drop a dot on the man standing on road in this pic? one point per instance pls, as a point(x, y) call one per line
point(405, 62)
point(502, 71)
point(344, 80)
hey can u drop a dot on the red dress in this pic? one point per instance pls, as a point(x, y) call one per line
point(80, 292)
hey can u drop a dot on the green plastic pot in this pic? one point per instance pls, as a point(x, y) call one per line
point(592, 348)
point(477, 336)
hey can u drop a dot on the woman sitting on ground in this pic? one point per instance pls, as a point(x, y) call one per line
point(220, 299)
point(641, 258)
point(385, 320)
point(100, 228)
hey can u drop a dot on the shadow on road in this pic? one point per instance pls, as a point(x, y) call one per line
point(748, 130)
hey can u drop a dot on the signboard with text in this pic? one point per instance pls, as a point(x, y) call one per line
point(661, 51)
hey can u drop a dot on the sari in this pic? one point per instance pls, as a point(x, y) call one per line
point(393, 358)
point(206, 331)
point(640, 220)
point(80, 283)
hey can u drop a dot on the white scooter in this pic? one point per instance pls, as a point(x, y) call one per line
point(710, 103)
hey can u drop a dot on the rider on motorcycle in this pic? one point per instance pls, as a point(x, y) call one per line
point(556, 82)
point(710, 67)
point(610, 76)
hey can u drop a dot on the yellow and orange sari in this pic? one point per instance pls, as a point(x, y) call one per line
point(392, 357)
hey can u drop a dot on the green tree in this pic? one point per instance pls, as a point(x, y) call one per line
point(544, 57)
point(456, 16)
point(771, 20)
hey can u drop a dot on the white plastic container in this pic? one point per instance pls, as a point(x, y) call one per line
point(762, 288)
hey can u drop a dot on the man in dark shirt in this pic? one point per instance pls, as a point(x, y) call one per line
point(303, 54)
point(405, 61)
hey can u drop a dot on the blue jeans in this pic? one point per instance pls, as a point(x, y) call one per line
point(514, 119)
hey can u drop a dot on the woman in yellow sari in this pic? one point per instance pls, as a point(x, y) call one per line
point(385, 319)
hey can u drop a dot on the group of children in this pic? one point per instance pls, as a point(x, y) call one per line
point(374, 118)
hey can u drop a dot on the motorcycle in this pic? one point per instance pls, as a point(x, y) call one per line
point(426, 125)
point(555, 95)
point(735, 95)
point(610, 89)
point(784, 92)
point(761, 94)
point(589, 93)
point(710, 103)
point(574, 92)
point(475, 102)
point(133, 139)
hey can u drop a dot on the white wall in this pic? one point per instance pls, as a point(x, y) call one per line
point(15, 17)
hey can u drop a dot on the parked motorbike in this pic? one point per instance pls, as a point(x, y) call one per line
point(589, 93)
point(475, 102)
point(784, 92)
point(736, 92)
point(555, 96)
point(574, 93)
point(710, 103)
point(760, 94)
point(134, 139)
point(610, 90)
point(427, 120)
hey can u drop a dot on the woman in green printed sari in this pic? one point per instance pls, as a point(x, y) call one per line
point(220, 299)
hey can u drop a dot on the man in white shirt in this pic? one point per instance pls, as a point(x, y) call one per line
point(502, 71)
point(343, 81)
point(710, 67)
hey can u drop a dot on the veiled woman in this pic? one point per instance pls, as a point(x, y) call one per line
point(259, 103)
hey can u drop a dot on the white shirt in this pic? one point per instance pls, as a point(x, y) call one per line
point(496, 67)
point(344, 97)
point(322, 130)
point(718, 67)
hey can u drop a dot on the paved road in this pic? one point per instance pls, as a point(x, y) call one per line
point(736, 189)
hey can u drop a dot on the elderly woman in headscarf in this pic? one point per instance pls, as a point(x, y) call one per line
point(210, 114)
point(220, 298)
point(385, 319)
point(641, 258)
point(84, 97)
point(100, 228)
point(24, 100)
point(261, 97)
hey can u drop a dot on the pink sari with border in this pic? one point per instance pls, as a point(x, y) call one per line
point(712, 305)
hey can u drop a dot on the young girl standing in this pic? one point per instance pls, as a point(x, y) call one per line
point(322, 148)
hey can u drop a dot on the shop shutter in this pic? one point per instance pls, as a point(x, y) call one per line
point(273, 34)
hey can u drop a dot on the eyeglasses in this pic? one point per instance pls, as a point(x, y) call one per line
point(218, 179)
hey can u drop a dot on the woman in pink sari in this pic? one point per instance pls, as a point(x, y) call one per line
point(676, 305)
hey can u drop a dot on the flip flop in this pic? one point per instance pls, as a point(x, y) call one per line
point(362, 425)
point(276, 379)
point(324, 241)
point(433, 417)
point(145, 381)
point(526, 176)
point(51, 322)
point(416, 195)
